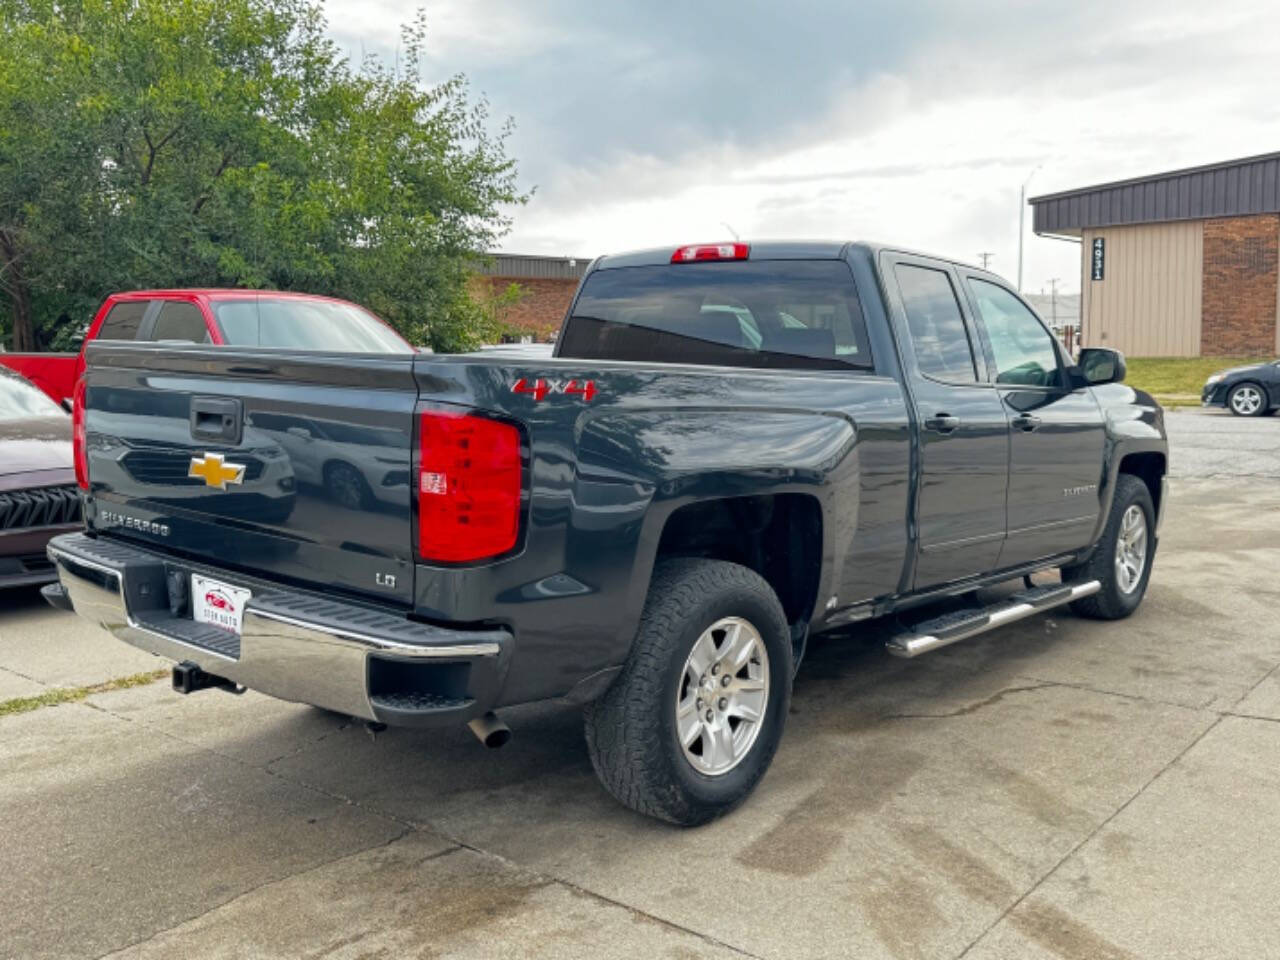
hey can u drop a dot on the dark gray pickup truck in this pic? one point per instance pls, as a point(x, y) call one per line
point(733, 448)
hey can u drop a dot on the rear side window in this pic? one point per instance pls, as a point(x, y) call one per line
point(123, 321)
point(305, 325)
point(939, 339)
point(180, 320)
point(786, 314)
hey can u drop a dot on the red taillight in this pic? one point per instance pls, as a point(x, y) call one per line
point(710, 251)
point(469, 484)
point(79, 452)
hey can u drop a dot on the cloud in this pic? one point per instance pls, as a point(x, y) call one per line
point(914, 123)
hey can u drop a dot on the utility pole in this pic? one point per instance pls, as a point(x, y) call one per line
point(985, 256)
point(1053, 300)
point(1022, 218)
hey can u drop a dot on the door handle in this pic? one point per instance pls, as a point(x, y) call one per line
point(1026, 422)
point(942, 423)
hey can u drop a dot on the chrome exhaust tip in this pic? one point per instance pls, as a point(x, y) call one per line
point(490, 731)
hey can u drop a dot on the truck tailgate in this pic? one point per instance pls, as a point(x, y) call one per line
point(285, 464)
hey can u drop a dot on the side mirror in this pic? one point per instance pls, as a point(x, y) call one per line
point(1098, 365)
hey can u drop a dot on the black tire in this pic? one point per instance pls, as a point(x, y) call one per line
point(631, 729)
point(1248, 385)
point(347, 486)
point(1112, 602)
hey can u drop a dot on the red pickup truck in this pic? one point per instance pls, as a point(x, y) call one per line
point(241, 318)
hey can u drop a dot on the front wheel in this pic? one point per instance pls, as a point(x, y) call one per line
point(1247, 400)
point(1122, 559)
point(692, 723)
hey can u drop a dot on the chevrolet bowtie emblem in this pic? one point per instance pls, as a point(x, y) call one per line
point(215, 472)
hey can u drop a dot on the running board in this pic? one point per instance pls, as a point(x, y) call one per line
point(953, 627)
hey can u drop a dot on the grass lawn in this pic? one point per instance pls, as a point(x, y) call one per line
point(1178, 377)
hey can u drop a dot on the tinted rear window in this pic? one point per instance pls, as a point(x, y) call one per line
point(305, 325)
point(179, 320)
point(123, 321)
point(763, 313)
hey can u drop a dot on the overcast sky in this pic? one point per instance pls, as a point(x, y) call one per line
point(643, 124)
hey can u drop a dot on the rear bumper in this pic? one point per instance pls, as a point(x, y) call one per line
point(294, 646)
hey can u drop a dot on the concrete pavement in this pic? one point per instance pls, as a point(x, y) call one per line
point(1059, 788)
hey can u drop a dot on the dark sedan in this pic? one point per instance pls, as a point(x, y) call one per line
point(38, 495)
point(1252, 391)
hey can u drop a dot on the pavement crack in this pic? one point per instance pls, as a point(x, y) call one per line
point(116, 951)
point(1261, 680)
point(314, 788)
point(460, 844)
point(19, 673)
point(972, 707)
point(1088, 837)
point(346, 725)
point(1121, 695)
point(588, 893)
point(1250, 716)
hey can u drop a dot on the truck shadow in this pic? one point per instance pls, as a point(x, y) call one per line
point(21, 600)
point(848, 687)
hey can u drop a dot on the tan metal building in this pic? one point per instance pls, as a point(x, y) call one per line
point(1177, 264)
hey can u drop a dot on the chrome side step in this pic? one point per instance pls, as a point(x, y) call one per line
point(953, 627)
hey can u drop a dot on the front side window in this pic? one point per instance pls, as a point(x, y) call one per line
point(180, 320)
point(772, 314)
point(123, 321)
point(1024, 352)
point(939, 339)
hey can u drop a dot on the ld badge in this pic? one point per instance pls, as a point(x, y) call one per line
point(215, 472)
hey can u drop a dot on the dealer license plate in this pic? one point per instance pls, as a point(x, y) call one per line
point(218, 604)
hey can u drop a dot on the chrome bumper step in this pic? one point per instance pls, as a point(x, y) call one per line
point(961, 625)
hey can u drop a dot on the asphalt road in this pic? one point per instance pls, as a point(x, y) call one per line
point(1213, 443)
point(1058, 789)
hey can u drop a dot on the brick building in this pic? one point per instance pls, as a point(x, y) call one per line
point(546, 285)
point(1177, 264)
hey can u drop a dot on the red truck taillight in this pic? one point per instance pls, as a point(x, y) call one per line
point(470, 478)
point(78, 449)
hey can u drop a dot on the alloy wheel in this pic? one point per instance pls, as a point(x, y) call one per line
point(1131, 549)
point(722, 696)
point(1246, 400)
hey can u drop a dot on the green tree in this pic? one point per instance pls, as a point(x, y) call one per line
point(148, 143)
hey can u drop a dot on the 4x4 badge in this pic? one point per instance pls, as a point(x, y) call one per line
point(215, 472)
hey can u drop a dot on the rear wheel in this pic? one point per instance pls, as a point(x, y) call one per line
point(1121, 562)
point(693, 721)
point(1247, 400)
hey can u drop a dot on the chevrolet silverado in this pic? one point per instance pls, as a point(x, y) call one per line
point(734, 447)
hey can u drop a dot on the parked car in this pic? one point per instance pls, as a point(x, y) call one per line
point(241, 318)
point(651, 523)
point(1252, 391)
point(38, 495)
